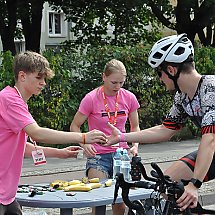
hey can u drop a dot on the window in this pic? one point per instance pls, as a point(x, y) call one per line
point(20, 46)
point(56, 24)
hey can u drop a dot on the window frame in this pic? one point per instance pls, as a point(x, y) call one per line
point(62, 24)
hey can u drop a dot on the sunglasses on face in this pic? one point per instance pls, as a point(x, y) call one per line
point(158, 70)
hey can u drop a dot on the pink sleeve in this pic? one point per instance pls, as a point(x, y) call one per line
point(134, 103)
point(86, 105)
point(18, 116)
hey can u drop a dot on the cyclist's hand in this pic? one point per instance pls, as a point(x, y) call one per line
point(89, 150)
point(115, 136)
point(189, 198)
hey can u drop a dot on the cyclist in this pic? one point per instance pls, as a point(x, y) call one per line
point(173, 59)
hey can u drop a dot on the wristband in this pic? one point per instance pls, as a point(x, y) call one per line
point(122, 137)
point(196, 182)
point(83, 138)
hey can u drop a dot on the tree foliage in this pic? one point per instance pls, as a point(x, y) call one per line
point(194, 17)
point(115, 22)
point(110, 22)
point(129, 18)
point(76, 73)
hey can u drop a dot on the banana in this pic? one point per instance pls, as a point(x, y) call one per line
point(108, 183)
point(73, 182)
point(85, 180)
point(65, 184)
point(56, 182)
point(94, 180)
point(78, 187)
point(95, 185)
point(52, 184)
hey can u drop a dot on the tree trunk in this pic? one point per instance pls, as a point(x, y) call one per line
point(7, 39)
point(8, 20)
point(31, 22)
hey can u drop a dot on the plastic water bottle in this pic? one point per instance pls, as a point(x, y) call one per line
point(126, 165)
point(117, 162)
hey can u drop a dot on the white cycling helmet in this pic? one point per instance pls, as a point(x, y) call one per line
point(174, 49)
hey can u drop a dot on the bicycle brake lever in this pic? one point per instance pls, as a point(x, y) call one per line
point(143, 171)
point(158, 171)
point(154, 174)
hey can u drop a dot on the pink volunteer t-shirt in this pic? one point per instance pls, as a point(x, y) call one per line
point(14, 117)
point(92, 105)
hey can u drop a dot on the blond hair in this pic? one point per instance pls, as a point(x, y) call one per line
point(114, 66)
point(30, 62)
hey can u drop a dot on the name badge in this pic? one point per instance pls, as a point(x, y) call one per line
point(38, 157)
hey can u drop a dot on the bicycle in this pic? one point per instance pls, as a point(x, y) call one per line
point(161, 185)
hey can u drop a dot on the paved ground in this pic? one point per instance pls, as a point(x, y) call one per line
point(68, 169)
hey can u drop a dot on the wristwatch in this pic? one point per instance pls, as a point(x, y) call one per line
point(196, 182)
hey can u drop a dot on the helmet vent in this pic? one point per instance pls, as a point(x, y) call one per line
point(184, 39)
point(166, 47)
point(157, 55)
point(180, 51)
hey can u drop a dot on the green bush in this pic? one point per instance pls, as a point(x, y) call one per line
point(79, 71)
point(6, 70)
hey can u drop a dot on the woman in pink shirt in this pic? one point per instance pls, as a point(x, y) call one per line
point(107, 103)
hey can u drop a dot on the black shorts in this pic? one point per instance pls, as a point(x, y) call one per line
point(11, 209)
point(190, 160)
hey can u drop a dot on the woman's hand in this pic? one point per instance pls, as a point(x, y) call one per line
point(134, 150)
point(89, 150)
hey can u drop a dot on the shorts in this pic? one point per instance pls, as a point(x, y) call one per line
point(190, 160)
point(11, 209)
point(101, 162)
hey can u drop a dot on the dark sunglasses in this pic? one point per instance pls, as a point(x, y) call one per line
point(158, 70)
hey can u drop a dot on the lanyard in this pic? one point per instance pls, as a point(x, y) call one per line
point(107, 108)
point(18, 91)
point(33, 141)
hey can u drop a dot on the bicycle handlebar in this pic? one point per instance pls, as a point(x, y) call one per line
point(159, 182)
point(126, 187)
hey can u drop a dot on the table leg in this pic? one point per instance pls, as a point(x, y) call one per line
point(66, 211)
point(100, 210)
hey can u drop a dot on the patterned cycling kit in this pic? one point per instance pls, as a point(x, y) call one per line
point(201, 110)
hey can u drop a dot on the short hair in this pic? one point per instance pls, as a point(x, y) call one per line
point(185, 67)
point(30, 62)
point(114, 66)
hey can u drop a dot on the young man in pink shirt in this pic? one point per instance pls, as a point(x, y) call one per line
point(16, 124)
